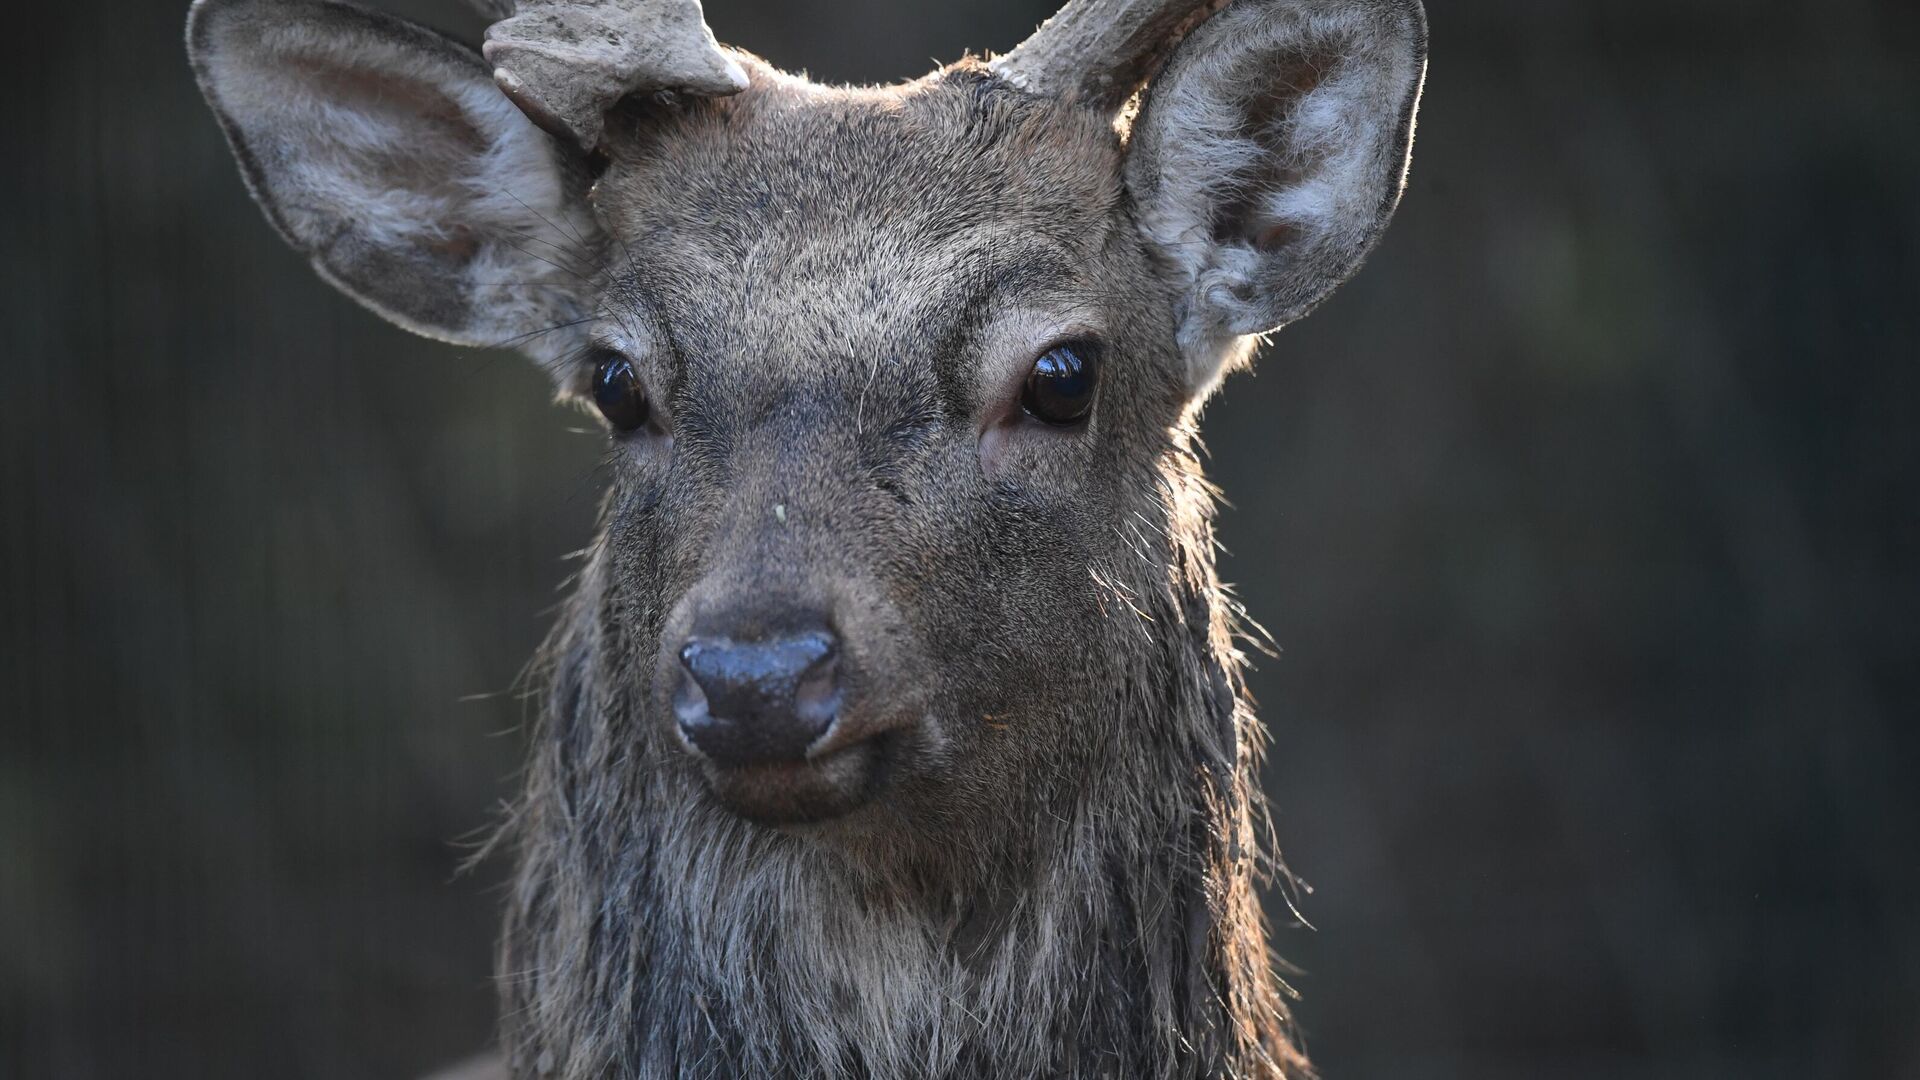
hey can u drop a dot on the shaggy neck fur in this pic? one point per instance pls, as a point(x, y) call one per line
point(1110, 928)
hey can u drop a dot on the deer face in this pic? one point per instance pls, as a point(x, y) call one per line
point(897, 381)
point(903, 356)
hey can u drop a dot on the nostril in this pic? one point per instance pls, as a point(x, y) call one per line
point(689, 700)
point(816, 698)
point(757, 702)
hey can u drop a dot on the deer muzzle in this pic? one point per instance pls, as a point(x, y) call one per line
point(785, 689)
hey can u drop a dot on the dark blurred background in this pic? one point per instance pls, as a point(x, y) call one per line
point(1585, 519)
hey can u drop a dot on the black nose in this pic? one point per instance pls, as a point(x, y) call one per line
point(758, 702)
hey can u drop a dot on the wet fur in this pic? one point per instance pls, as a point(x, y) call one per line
point(827, 292)
point(1065, 888)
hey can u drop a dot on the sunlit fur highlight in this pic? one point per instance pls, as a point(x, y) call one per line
point(653, 935)
point(1059, 878)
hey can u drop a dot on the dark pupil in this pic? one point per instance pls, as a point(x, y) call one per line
point(616, 390)
point(1060, 389)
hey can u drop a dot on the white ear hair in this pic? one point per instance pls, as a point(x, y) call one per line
point(1267, 158)
point(386, 154)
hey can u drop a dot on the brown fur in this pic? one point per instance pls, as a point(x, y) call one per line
point(832, 296)
point(1077, 795)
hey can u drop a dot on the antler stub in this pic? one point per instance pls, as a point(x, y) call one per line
point(1098, 52)
point(566, 62)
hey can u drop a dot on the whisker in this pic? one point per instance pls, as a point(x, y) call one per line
point(520, 339)
point(551, 224)
point(574, 274)
point(561, 250)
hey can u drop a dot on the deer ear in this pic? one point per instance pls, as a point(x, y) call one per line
point(1268, 156)
point(385, 154)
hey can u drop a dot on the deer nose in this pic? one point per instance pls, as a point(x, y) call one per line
point(758, 702)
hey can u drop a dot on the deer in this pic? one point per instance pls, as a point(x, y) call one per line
point(895, 725)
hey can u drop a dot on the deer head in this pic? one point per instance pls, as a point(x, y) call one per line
point(905, 572)
point(884, 368)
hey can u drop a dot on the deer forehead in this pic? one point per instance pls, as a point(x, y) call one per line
point(808, 220)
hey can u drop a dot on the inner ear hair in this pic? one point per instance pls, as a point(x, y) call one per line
point(1268, 156)
point(1270, 113)
point(385, 153)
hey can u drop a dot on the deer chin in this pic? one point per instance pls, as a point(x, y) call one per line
point(809, 792)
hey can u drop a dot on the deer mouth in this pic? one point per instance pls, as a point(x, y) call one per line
point(817, 789)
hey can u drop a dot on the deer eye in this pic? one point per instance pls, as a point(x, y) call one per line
point(1060, 387)
point(618, 393)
